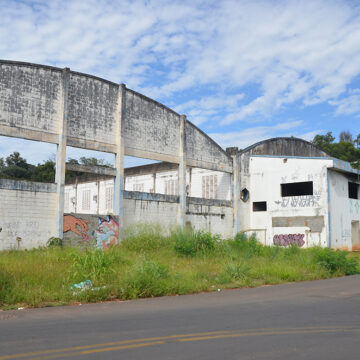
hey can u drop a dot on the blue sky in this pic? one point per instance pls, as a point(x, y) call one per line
point(243, 71)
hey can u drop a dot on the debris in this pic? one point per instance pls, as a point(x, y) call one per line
point(20, 308)
point(84, 285)
point(219, 289)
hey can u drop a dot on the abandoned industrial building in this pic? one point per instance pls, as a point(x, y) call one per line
point(285, 190)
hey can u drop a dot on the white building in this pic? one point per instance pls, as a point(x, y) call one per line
point(289, 192)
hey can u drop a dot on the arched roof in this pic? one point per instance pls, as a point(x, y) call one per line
point(284, 146)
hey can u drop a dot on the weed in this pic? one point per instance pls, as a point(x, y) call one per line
point(335, 261)
point(190, 242)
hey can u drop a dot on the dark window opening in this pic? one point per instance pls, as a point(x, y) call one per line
point(353, 190)
point(259, 206)
point(244, 195)
point(297, 189)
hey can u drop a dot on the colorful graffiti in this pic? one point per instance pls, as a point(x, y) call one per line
point(107, 232)
point(289, 239)
point(98, 231)
point(76, 225)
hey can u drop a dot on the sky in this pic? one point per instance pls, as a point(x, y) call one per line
point(242, 71)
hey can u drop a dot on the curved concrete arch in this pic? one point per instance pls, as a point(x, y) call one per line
point(284, 146)
point(36, 99)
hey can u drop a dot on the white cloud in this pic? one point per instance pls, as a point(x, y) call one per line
point(249, 136)
point(349, 105)
point(220, 63)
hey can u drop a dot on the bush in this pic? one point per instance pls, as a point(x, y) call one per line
point(145, 237)
point(91, 264)
point(145, 279)
point(250, 246)
point(189, 242)
point(335, 261)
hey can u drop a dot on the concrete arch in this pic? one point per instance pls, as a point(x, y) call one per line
point(284, 146)
point(35, 99)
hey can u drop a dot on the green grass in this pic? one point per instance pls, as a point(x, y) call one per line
point(149, 264)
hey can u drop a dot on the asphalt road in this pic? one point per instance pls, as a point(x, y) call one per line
point(309, 320)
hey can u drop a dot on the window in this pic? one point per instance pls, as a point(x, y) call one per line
point(259, 206)
point(244, 194)
point(109, 193)
point(67, 201)
point(171, 187)
point(85, 200)
point(209, 186)
point(297, 189)
point(138, 187)
point(353, 190)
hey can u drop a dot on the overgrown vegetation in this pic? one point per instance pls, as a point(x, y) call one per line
point(347, 148)
point(149, 264)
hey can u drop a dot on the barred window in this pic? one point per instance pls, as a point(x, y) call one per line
point(209, 186)
point(138, 187)
point(171, 187)
point(109, 193)
point(85, 200)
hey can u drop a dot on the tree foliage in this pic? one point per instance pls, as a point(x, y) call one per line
point(16, 167)
point(346, 149)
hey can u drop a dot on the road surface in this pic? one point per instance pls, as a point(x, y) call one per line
point(308, 320)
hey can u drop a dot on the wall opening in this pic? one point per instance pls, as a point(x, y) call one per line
point(259, 206)
point(353, 190)
point(27, 160)
point(297, 189)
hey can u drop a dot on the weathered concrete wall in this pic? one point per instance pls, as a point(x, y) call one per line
point(150, 127)
point(201, 149)
point(343, 211)
point(30, 97)
point(27, 214)
point(300, 219)
point(91, 109)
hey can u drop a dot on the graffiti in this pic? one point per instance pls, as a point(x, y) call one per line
point(289, 239)
point(76, 225)
point(98, 231)
point(107, 232)
point(300, 201)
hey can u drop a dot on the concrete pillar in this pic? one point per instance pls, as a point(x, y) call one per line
point(182, 173)
point(119, 159)
point(236, 193)
point(61, 155)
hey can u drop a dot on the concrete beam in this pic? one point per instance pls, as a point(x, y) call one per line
point(92, 169)
point(119, 158)
point(236, 193)
point(61, 155)
point(182, 173)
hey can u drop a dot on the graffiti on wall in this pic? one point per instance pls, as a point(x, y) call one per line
point(300, 201)
point(99, 231)
point(289, 239)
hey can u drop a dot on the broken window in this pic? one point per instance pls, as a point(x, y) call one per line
point(353, 190)
point(297, 189)
point(259, 206)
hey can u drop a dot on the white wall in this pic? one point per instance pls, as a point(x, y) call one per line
point(265, 176)
point(343, 211)
point(27, 214)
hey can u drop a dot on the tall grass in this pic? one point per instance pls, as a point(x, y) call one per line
point(149, 263)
